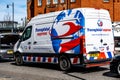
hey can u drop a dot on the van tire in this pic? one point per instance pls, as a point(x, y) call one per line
point(18, 59)
point(64, 63)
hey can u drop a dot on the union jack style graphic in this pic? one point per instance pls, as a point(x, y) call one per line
point(75, 60)
point(48, 59)
point(40, 59)
point(74, 27)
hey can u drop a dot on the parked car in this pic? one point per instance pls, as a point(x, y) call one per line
point(7, 41)
point(115, 64)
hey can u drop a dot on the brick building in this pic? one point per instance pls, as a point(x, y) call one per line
point(35, 7)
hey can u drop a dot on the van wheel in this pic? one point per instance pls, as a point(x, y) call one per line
point(18, 59)
point(64, 63)
point(118, 68)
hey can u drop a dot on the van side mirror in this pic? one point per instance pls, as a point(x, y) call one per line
point(20, 39)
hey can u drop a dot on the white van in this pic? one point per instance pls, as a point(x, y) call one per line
point(81, 36)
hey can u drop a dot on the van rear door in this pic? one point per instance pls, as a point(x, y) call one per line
point(98, 35)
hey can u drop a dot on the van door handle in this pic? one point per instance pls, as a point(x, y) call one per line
point(29, 43)
point(105, 44)
point(35, 42)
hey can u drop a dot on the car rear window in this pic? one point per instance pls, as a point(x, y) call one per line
point(8, 39)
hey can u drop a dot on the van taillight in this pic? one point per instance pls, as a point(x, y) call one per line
point(84, 47)
point(82, 44)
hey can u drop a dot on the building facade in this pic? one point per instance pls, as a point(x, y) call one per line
point(8, 26)
point(35, 7)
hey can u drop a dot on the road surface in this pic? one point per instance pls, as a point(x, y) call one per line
point(33, 71)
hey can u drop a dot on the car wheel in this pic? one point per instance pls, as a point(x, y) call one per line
point(64, 63)
point(118, 68)
point(18, 59)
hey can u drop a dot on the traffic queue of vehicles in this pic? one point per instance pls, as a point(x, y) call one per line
point(81, 36)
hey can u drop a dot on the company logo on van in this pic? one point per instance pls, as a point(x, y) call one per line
point(94, 30)
point(73, 28)
point(98, 29)
point(100, 23)
point(65, 32)
point(42, 29)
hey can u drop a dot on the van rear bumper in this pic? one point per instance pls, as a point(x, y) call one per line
point(97, 63)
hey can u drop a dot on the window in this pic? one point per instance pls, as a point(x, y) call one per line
point(106, 0)
point(39, 2)
point(8, 39)
point(72, 0)
point(117, 41)
point(48, 2)
point(27, 34)
point(62, 1)
point(55, 1)
point(28, 0)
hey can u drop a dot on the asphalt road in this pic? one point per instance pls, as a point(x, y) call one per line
point(32, 71)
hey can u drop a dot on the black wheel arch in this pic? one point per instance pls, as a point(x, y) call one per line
point(16, 54)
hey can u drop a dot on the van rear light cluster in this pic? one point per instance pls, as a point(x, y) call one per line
point(84, 44)
point(83, 41)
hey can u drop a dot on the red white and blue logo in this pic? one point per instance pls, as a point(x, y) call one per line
point(64, 33)
point(100, 23)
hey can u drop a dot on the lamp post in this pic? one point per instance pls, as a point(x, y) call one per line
point(12, 15)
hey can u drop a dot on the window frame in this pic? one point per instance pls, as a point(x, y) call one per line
point(106, 0)
point(48, 2)
point(55, 1)
point(72, 1)
point(62, 1)
point(23, 38)
point(39, 2)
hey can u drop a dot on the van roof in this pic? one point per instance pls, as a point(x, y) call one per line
point(53, 14)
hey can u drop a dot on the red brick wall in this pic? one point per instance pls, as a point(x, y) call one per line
point(28, 11)
point(79, 3)
point(99, 4)
point(117, 11)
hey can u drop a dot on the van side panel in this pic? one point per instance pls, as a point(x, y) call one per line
point(66, 31)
